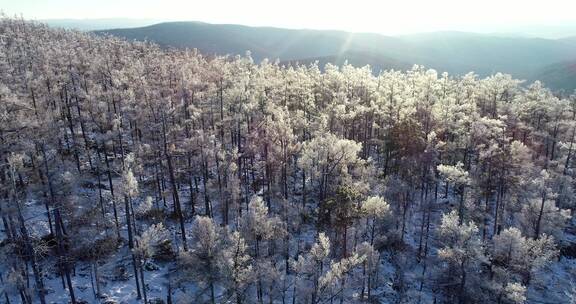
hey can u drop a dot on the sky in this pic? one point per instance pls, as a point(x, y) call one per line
point(378, 16)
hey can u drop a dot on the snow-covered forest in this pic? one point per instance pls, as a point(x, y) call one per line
point(135, 174)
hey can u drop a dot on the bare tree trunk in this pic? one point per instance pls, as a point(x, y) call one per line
point(128, 222)
point(30, 252)
point(142, 264)
point(135, 266)
point(461, 297)
point(111, 185)
point(177, 205)
point(97, 278)
point(60, 231)
point(538, 222)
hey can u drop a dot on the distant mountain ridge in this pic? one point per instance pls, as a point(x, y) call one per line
point(98, 24)
point(453, 52)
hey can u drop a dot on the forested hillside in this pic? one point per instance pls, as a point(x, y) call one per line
point(457, 53)
point(135, 174)
point(560, 76)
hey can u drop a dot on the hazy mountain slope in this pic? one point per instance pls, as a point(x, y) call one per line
point(454, 52)
point(461, 52)
point(98, 24)
point(570, 40)
point(263, 42)
point(358, 59)
point(559, 75)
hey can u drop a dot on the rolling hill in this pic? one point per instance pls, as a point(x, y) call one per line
point(98, 24)
point(453, 52)
point(559, 76)
point(358, 59)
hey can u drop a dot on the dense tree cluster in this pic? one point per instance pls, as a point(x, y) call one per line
point(261, 183)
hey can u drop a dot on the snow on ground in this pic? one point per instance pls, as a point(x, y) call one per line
point(121, 292)
point(554, 284)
